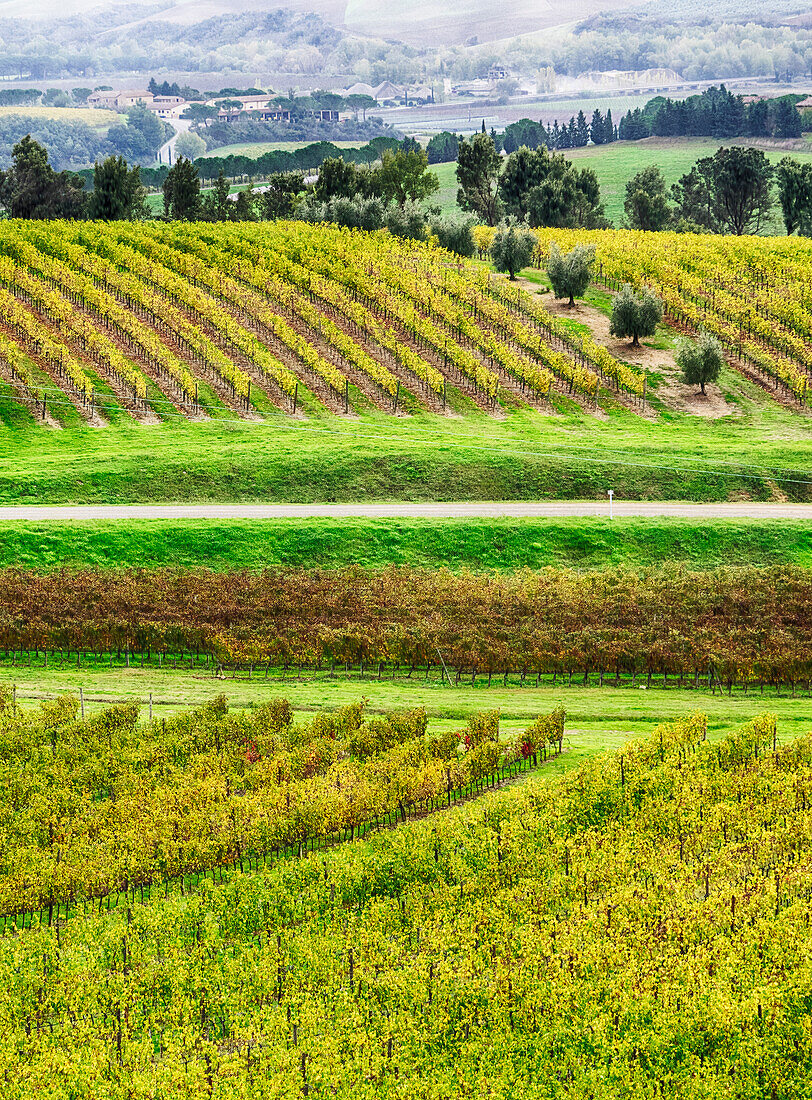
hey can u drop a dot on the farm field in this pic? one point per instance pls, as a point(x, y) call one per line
point(161, 377)
point(615, 165)
point(396, 808)
point(728, 628)
point(246, 930)
point(97, 118)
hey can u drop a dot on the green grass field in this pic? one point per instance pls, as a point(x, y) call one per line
point(615, 165)
point(759, 451)
point(523, 455)
point(503, 544)
point(597, 718)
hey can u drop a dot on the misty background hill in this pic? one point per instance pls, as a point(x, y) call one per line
point(419, 23)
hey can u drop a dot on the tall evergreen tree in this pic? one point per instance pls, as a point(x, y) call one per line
point(182, 201)
point(31, 188)
point(794, 192)
point(597, 128)
point(478, 167)
point(787, 120)
point(581, 131)
point(118, 194)
point(216, 206)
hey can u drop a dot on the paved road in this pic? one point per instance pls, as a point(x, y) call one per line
point(166, 154)
point(394, 510)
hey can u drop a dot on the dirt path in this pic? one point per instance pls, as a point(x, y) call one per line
point(674, 394)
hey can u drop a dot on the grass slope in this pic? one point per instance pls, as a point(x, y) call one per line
point(505, 544)
point(615, 165)
point(525, 455)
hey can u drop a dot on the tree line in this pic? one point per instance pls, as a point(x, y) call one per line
point(715, 113)
point(307, 158)
point(734, 191)
point(577, 134)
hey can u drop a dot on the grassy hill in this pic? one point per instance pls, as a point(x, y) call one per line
point(615, 165)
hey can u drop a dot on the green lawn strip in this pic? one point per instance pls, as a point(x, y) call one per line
point(597, 718)
point(524, 454)
point(501, 544)
point(14, 415)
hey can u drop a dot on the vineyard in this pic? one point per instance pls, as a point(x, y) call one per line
point(635, 927)
point(715, 629)
point(287, 317)
point(205, 790)
point(752, 293)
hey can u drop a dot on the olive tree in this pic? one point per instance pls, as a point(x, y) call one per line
point(635, 314)
point(512, 249)
point(570, 273)
point(700, 360)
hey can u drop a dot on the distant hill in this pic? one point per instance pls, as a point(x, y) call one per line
point(416, 22)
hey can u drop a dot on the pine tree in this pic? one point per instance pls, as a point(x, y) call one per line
point(597, 128)
point(216, 205)
point(182, 191)
point(118, 194)
point(581, 131)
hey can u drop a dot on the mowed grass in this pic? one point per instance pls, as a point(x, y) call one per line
point(615, 165)
point(761, 452)
point(489, 544)
point(598, 719)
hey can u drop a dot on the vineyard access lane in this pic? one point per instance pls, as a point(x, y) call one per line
point(408, 510)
